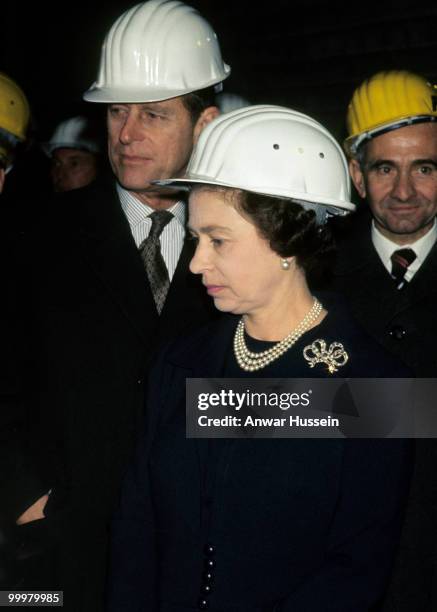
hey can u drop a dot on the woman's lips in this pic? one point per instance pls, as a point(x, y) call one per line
point(133, 159)
point(214, 289)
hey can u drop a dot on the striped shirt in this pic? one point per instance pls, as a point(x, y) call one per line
point(173, 234)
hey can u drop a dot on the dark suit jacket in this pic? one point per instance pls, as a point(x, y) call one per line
point(297, 525)
point(405, 323)
point(402, 321)
point(89, 325)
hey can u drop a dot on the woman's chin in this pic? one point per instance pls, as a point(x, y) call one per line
point(228, 306)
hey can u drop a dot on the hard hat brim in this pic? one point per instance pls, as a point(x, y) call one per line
point(50, 148)
point(185, 184)
point(354, 142)
point(118, 95)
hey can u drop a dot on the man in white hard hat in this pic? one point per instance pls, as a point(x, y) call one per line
point(111, 283)
point(74, 152)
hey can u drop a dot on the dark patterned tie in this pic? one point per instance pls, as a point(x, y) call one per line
point(400, 260)
point(154, 264)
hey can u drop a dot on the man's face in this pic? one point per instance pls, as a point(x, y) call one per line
point(72, 168)
point(150, 141)
point(399, 180)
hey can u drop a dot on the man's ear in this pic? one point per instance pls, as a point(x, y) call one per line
point(2, 178)
point(206, 117)
point(357, 177)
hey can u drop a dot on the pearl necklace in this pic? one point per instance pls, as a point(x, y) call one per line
point(250, 362)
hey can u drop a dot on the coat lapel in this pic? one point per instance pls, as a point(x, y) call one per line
point(420, 285)
point(106, 242)
point(362, 275)
point(210, 364)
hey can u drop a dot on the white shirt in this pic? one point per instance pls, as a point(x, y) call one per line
point(385, 249)
point(172, 236)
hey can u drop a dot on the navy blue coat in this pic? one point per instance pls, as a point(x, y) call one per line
point(295, 525)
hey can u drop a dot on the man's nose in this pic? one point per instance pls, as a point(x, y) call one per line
point(403, 186)
point(132, 130)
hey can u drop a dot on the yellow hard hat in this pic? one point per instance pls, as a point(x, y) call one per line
point(14, 117)
point(387, 101)
point(14, 108)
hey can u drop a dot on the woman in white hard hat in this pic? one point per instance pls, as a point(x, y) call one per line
point(251, 525)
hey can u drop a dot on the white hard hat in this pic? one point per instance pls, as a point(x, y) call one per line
point(273, 151)
point(72, 133)
point(155, 51)
point(228, 102)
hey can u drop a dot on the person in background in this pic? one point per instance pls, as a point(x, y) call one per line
point(74, 152)
point(259, 524)
point(228, 101)
point(388, 261)
point(106, 282)
point(387, 270)
point(14, 121)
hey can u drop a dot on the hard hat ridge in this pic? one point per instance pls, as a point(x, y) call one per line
point(273, 151)
point(157, 50)
point(387, 101)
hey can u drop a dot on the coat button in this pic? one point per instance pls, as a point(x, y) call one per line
point(209, 564)
point(206, 589)
point(397, 332)
point(203, 604)
point(209, 550)
point(208, 576)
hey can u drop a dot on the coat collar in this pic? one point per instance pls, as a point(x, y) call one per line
point(205, 352)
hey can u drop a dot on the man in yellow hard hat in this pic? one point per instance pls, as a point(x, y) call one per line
point(387, 269)
point(388, 262)
point(14, 121)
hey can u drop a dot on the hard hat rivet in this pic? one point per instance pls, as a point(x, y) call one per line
point(276, 147)
point(322, 155)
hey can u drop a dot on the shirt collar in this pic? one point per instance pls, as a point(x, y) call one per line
point(136, 211)
point(385, 247)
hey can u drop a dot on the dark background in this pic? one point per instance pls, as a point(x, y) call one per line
point(306, 55)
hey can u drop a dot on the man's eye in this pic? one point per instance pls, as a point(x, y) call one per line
point(217, 241)
point(153, 116)
point(384, 169)
point(115, 111)
point(426, 170)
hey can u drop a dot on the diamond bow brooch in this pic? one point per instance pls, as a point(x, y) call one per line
point(334, 356)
